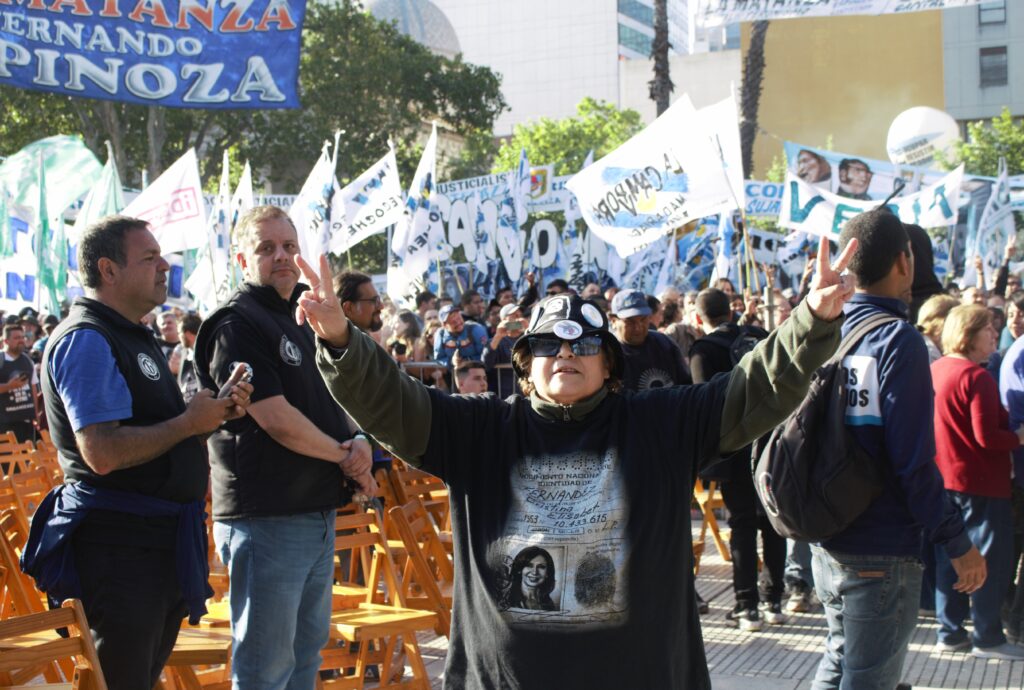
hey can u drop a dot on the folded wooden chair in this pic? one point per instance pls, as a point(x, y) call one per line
point(708, 502)
point(429, 576)
point(28, 642)
point(410, 483)
point(380, 627)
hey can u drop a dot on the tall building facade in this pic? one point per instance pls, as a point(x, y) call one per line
point(983, 60)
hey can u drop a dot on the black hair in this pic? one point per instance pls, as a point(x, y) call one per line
point(881, 238)
point(104, 239)
point(424, 297)
point(468, 296)
point(1017, 298)
point(558, 283)
point(845, 164)
point(346, 285)
point(713, 306)
point(653, 303)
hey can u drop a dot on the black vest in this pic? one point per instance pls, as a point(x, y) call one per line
point(180, 474)
point(252, 474)
point(17, 405)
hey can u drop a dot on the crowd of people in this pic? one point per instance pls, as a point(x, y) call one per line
point(621, 396)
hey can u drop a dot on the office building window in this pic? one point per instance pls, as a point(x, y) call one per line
point(994, 66)
point(634, 40)
point(637, 11)
point(992, 12)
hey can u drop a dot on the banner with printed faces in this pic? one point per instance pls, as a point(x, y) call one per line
point(813, 210)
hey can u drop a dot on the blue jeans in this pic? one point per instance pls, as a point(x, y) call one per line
point(281, 570)
point(798, 565)
point(989, 523)
point(871, 608)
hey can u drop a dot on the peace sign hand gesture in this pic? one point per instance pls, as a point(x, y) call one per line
point(830, 289)
point(319, 305)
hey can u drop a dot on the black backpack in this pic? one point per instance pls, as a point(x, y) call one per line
point(739, 345)
point(811, 474)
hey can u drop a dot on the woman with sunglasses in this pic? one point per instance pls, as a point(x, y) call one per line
point(581, 470)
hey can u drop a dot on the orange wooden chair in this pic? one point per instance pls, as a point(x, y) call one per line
point(708, 502)
point(380, 628)
point(28, 643)
point(429, 576)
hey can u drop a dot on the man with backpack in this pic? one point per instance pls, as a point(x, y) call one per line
point(652, 359)
point(722, 347)
point(868, 575)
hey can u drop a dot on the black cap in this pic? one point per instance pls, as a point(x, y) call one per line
point(569, 317)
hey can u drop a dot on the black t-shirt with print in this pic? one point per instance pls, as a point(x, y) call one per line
point(657, 363)
point(578, 569)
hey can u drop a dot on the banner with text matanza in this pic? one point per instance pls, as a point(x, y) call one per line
point(209, 54)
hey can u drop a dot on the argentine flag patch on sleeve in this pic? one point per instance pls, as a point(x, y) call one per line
point(862, 396)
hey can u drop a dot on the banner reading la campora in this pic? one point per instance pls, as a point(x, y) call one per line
point(806, 208)
point(664, 177)
point(175, 53)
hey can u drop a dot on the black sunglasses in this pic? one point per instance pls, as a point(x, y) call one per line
point(550, 347)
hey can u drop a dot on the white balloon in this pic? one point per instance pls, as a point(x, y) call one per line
point(917, 134)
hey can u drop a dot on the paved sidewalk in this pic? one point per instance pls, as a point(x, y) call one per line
point(785, 657)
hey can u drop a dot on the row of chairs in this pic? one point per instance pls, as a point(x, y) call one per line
point(383, 598)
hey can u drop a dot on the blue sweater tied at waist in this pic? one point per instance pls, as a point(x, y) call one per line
point(50, 559)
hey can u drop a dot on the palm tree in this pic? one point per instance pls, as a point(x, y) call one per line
point(661, 86)
point(753, 80)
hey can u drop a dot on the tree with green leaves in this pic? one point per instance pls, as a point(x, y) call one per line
point(597, 126)
point(987, 142)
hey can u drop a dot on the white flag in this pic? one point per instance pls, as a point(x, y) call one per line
point(420, 237)
point(661, 179)
point(173, 206)
point(242, 200)
point(722, 124)
point(105, 198)
point(210, 282)
point(995, 227)
point(367, 205)
point(311, 210)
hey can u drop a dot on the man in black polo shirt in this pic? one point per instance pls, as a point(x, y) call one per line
point(133, 458)
point(18, 382)
point(279, 474)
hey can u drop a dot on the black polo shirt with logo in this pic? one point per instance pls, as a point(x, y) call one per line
point(252, 474)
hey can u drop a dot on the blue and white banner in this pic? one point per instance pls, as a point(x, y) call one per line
point(764, 199)
point(367, 205)
point(809, 209)
point(664, 177)
point(717, 12)
point(211, 54)
point(994, 229)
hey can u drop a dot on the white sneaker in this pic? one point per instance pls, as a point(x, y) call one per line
point(952, 646)
point(772, 614)
point(1004, 652)
point(799, 602)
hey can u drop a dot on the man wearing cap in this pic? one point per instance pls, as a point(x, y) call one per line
point(570, 508)
point(468, 339)
point(499, 351)
point(652, 359)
